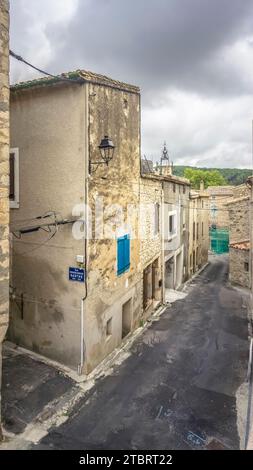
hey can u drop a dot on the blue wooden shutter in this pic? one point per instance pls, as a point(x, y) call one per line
point(123, 254)
point(127, 252)
point(120, 255)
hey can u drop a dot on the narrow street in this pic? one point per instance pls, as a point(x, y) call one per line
point(179, 388)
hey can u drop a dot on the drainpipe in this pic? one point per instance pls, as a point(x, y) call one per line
point(86, 246)
point(80, 366)
point(162, 243)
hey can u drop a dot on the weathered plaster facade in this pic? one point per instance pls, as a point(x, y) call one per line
point(57, 128)
point(176, 237)
point(48, 127)
point(115, 112)
point(199, 230)
point(4, 176)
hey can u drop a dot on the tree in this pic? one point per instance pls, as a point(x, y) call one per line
point(209, 177)
point(233, 176)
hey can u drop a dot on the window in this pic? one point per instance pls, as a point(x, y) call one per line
point(174, 188)
point(183, 189)
point(193, 230)
point(123, 254)
point(14, 178)
point(246, 266)
point(157, 218)
point(184, 219)
point(109, 328)
point(197, 231)
point(172, 224)
point(202, 229)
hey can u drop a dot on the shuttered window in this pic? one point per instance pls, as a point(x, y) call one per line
point(157, 218)
point(14, 178)
point(123, 254)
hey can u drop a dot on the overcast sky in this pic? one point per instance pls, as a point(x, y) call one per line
point(193, 60)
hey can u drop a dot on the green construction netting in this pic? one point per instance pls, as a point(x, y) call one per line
point(219, 240)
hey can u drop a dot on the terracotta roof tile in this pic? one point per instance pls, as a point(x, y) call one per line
point(220, 190)
point(77, 75)
point(235, 200)
point(242, 245)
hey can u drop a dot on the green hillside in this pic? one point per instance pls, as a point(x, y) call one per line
point(232, 176)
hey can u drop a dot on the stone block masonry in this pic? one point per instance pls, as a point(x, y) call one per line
point(239, 267)
point(4, 174)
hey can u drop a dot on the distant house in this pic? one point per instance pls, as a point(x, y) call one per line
point(239, 234)
point(198, 230)
point(218, 214)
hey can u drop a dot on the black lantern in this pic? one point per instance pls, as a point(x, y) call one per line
point(106, 149)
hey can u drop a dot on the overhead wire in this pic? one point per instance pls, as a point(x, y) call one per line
point(43, 72)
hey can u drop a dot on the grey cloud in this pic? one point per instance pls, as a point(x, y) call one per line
point(164, 46)
point(157, 43)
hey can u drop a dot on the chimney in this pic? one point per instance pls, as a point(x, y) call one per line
point(202, 186)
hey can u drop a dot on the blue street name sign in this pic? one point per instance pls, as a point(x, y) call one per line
point(76, 274)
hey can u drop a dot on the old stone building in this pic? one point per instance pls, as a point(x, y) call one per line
point(219, 196)
point(239, 234)
point(4, 176)
point(176, 231)
point(239, 267)
point(198, 231)
point(164, 258)
point(151, 253)
point(75, 297)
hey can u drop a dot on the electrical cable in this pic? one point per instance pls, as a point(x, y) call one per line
point(37, 247)
point(61, 78)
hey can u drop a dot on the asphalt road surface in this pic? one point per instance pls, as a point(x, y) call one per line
point(177, 390)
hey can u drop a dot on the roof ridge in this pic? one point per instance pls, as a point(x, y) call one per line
point(88, 76)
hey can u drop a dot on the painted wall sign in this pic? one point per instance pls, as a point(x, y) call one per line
point(76, 274)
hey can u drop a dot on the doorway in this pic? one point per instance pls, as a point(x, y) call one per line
point(126, 318)
point(179, 270)
point(169, 274)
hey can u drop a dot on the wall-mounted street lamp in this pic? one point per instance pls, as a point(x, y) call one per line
point(106, 149)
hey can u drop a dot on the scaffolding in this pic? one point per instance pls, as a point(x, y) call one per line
point(219, 240)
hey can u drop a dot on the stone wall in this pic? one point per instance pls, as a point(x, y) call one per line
point(219, 198)
point(114, 112)
point(238, 267)
point(4, 172)
point(151, 244)
point(198, 244)
point(239, 220)
point(241, 191)
point(151, 241)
